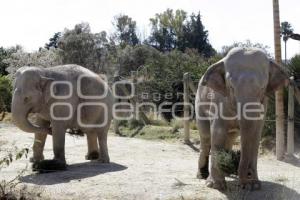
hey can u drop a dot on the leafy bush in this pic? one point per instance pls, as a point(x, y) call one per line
point(41, 58)
point(228, 161)
point(5, 94)
point(270, 124)
point(8, 188)
point(164, 73)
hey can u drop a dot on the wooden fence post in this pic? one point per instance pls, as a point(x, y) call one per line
point(290, 128)
point(116, 122)
point(186, 109)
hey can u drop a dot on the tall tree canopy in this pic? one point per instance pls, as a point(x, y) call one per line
point(286, 30)
point(53, 42)
point(166, 27)
point(3, 65)
point(125, 31)
point(175, 30)
point(5, 54)
point(81, 46)
point(195, 37)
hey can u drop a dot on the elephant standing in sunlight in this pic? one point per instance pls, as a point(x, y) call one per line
point(63, 97)
point(231, 100)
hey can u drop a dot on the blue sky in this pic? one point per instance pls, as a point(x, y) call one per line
point(31, 23)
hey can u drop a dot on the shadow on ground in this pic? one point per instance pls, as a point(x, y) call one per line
point(74, 172)
point(269, 191)
point(292, 160)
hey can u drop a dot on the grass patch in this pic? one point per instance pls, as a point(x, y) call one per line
point(150, 132)
point(154, 132)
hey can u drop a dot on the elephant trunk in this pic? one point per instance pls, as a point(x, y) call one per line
point(251, 123)
point(20, 117)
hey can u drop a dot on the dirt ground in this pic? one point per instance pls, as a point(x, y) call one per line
point(139, 169)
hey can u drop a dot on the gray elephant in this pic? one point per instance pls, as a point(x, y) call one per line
point(231, 99)
point(63, 97)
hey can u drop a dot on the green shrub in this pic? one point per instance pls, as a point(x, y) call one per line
point(228, 161)
point(134, 123)
point(270, 124)
point(5, 94)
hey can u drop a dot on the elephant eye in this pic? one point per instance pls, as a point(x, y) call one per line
point(26, 99)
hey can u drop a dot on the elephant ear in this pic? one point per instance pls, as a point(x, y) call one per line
point(277, 78)
point(44, 86)
point(214, 78)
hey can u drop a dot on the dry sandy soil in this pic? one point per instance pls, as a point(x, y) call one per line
point(140, 169)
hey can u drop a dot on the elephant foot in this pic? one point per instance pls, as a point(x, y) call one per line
point(219, 185)
point(203, 172)
point(34, 159)
point(250, 185)
point(92, 156)
point(46, 166)
point(103, 159)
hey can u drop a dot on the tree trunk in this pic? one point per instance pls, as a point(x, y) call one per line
point(279, 93)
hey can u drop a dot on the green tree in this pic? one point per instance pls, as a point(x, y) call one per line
point(166, 27)
point(285, 31)
point(195, 37)
point(5, 94)
point(5, 53)
point(125, 31)
point(175, 30)
point(81, 46)
point(131, 58)
point(41, 58)
point(53, 41)
point(294, 66)
point(3, 65)
point(165, 73)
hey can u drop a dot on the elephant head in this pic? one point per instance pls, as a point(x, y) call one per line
point(29, 97)
point(245, 76)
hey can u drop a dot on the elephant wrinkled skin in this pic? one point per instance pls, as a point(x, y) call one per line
point(241, 80)
point(63, 97)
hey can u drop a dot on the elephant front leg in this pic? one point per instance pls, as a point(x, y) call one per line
point(38, 147)
point(58, 136)
point(248, 169)
point(216, 178)
point(39, 141)
point(248, 162)
point(59, 161)
point(203, 162)
point(93, 150)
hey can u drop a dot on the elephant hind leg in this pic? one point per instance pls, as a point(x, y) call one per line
point(205, 144)
point(102, 139)
point(93, 150)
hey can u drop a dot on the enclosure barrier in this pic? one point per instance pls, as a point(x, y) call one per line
point(186, 109)
point(132, 100)
point(290, 128)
